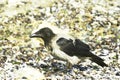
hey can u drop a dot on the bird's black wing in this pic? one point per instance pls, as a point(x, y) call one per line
point(84, 51)
point(66, 46)
point(74, 48)
point(79, 44)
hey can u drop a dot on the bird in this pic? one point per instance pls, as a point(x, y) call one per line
point(66, 47)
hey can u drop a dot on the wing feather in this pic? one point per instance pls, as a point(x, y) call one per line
point(74, 48)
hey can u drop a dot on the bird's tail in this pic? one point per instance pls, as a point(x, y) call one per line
point(98, 60)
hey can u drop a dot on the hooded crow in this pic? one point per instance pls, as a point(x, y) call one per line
point(66, 47)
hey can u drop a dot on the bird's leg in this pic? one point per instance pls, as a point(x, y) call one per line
point(69, 65)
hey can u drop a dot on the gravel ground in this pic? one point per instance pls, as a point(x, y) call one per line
point(96, 22)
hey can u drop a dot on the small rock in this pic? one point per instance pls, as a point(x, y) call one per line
point(118, 73)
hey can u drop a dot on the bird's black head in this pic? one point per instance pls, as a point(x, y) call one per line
point(45, 33)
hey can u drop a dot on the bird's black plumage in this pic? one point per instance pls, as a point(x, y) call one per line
point(79, 49)
point(69, 46)
point(66, 46)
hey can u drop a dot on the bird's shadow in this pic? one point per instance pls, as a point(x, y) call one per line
point(80, 67)
point(57, 66)
point(60, 68)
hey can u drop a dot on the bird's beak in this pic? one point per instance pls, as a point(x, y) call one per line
point(34, 35)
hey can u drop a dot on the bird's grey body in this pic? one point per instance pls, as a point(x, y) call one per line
point(66, 47)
